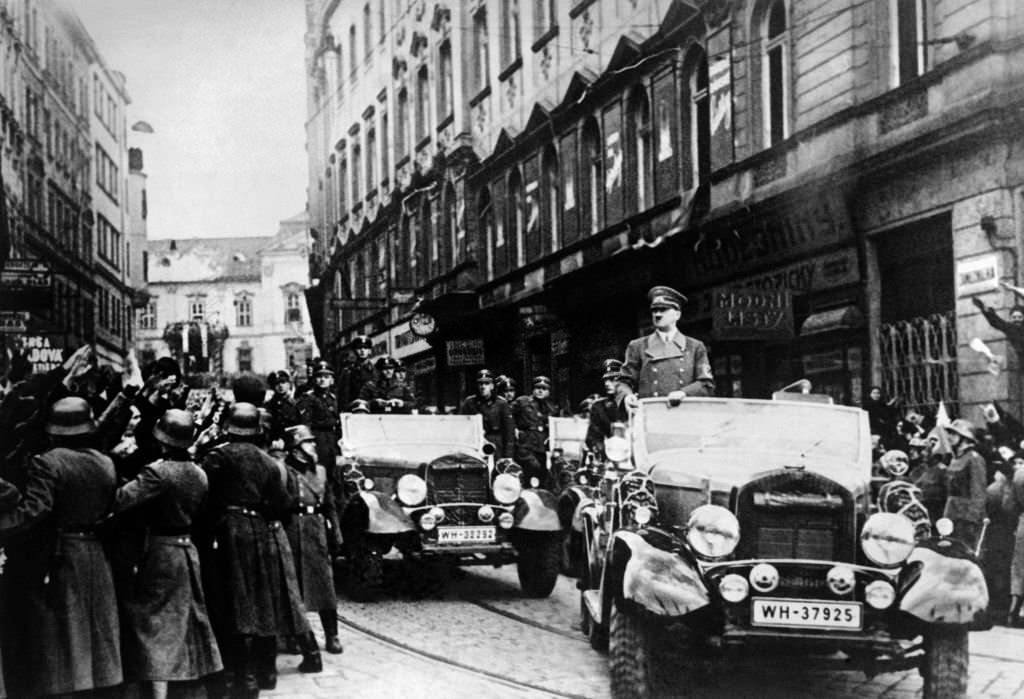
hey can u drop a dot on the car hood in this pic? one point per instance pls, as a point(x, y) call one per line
point(723, 468)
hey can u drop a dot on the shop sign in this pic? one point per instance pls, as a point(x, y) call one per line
point(424, 367)
point(25, 284)
point(464, 352)
point(14, 321)
point(825, 272)
point(752, 314)
point(405, 342)
point(44, 352)
point(775, 236)
point(977, 275)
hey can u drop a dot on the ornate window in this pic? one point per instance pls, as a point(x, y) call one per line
point(451, 222)
point(481, 49)
point(422, 102)
point(353, 55)
point(638, 130)
point(402, 124)
point(244, 356)
point(699, 116)
point(515, 223)
point(147, 316)
point(775, 74)
point(592, 168)
point(910, 34)
point(511, 39)
point(293, 307)
point(543, 17)
point(367, 32)
point(552, 193)
point(197, 308)
point(357, 159)
point(371, 159)
point(342, 188)
point(445, 86)
point(488, 235)
point(243, 311)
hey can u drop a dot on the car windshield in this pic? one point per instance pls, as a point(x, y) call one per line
point(415, 437)
point(789, 430)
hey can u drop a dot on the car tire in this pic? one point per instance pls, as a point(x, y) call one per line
point(630, 655)
point(945, 663)
point(365, 574)
point(540, 558)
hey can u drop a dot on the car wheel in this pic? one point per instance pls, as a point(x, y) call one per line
point(540, 558)
point(945, 663)
point(630, 655)
point(365, 574)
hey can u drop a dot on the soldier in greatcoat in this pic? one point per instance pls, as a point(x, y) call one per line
point(667, 362)
point(169, 638)
point(499, 429)
point(63, 634)
point(385, 393)
point(318, 408)
point(241, 570)
point(611, 408)
point(531, 414)
point(282, 406)
point(313, 532)
point(402, 377)
point(352, 378)
point(966, 479)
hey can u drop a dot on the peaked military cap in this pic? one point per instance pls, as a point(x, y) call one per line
point(611, 368)
point(541, 382)
point(362, 342)
point(484, 376)
point(665, 297)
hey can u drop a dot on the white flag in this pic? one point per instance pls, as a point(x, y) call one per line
point(941, 416)
point(184, 338)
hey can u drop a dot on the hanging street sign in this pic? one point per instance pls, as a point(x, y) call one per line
point(25, 284)
point(13, 322)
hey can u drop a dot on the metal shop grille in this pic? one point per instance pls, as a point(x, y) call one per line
point(918, 361)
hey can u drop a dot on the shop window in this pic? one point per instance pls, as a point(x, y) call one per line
point(593, 180)
point(699, 116)
point(638, 134)
point(909, 30)
point(552, 198)
point(485, 217)
point(775, 74)
point(515, 222)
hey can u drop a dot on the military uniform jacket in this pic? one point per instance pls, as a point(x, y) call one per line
point(319, 410)
point(602, 414)
point(499, 429)
point(284, 413)
point(965, 487)
point(351, 381)
point(312, 533)
point(660, 367)
point(376, 393)
point(531, 419)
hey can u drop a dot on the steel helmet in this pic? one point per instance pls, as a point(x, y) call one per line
point(243, 420)
point(69, 417)
point(175, 428)
point(298, 434)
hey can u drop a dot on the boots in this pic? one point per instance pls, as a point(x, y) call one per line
point(329, 620)
point(1014, 619)
point(245, 683)
point(311, 659)
point(265, 660)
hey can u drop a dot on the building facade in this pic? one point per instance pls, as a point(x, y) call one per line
point(829, 183)
point(61, 108)
point(223, 306)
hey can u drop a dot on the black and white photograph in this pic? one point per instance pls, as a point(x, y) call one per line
point(569, 349)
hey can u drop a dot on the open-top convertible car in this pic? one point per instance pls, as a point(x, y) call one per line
point(427, 485)
point(734, 530)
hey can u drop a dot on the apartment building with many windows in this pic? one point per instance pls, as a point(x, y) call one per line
point(829, 183)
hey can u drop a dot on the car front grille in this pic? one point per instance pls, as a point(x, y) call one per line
point(796, 514)
point(458, 483)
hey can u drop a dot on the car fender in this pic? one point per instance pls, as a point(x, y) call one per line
point(384, 515)
point(947, 585)
point(572, 504)
point(537, 510)
point(660, 581)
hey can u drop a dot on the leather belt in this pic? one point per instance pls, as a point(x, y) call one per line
point(247, 511)
point(306, 510)
point(170, 539)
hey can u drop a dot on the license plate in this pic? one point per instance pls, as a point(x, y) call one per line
point(803, 614)
point(466, 535)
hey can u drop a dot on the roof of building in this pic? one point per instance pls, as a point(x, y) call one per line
point(219, 259)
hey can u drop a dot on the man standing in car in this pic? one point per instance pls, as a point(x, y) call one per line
point(499, 429)
point(531, 414)
point(358, 373)
point(667, 362)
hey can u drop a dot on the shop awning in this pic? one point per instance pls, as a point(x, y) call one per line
point(844, 318)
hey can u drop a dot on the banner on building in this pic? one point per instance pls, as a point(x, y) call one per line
point(720, 96)
point(464, 352)
point(614, 165)
point(752, 314)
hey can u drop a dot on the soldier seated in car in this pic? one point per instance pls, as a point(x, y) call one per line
point(385, 394)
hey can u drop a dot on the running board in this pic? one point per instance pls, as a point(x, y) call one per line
point(592, 599)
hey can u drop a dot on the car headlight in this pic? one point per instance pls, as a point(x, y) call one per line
point(411, 490)
point(368, 484)
point(506, 488)
point(438, 514)
point(713, 531)
point(880, 594)
point(506, 520)
point(616, 449)
point(427, 522)
point(485, 513)
point(642, 515)
point(733, 588)
point(887, 539)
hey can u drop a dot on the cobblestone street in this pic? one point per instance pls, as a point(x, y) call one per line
point(483, 639)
